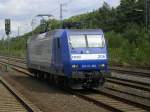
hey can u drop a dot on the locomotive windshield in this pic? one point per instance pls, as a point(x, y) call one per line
point(77, 41)
point(95, 41)
point(86, 41)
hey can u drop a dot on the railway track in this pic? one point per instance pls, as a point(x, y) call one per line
point(104, 100)
point(136, 72)
point(21, 60)
point(130, 83)
point(13, 101)
point(111, 102)
point(120, 81)
point(108, 98)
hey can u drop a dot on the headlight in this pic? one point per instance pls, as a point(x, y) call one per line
point(75, 66)
point(102, 65)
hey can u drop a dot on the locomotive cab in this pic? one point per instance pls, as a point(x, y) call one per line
point(88, 57)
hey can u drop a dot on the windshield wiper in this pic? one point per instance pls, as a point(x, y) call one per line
point(71, 45)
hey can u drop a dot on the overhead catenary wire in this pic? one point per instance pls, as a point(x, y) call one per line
point(88, 8)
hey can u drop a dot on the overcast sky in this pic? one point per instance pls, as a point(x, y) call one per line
point(21, 12)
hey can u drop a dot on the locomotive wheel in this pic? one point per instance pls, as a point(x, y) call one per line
point(41, 75)
point(102, 81)
point(46, 76)
point(35, 74)
point(65, 82)
point(52, 80)
point(38, 75)
point(56, 80)
point(62, 81)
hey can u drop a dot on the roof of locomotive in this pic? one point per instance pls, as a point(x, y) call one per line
point(85, 31)
point(59, 32)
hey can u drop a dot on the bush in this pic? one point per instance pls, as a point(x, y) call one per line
point(129, 48)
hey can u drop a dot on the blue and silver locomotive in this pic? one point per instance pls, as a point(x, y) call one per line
point(74, 57)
